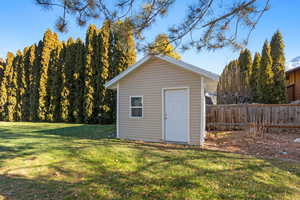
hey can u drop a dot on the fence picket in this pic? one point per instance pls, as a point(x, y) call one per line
point(239, 115)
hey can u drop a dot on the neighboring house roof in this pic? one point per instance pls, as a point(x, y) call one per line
point(293, 70)
point(178, 63)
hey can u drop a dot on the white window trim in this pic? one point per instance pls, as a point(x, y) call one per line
point(130, 107)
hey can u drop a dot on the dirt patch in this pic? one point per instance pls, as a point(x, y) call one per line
point(277, 145)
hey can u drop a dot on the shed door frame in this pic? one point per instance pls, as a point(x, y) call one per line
point(163, 111)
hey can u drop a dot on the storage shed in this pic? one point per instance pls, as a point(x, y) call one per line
point(161, 99)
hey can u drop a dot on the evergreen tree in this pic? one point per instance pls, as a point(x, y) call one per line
point(229, 84)
point(103, 73)
point(230, 91)
point(11, 86)
point(130, 49)
point(121, 55)
point(89, 71)
point(35, 59)
point(235, 82)
point(245, 67)
point(28, 80)
point(3, 90)
point(2, 79)
point(78, 80)
point(30, 59)
point(266, 76)
point(277, 53)
point(54, 83)
point(20, 85)
point(67, 75)
point(221, 89)
point(163, 46)
point(255, 77)
point(49, 41)
point(1, 71)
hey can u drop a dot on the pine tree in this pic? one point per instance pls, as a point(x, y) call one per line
point(89, 71)
point(163, 46)
point(277, 53)
point(255, 77)
point(49, 41)
point(78, 80)
point(266, 76)
point(11, 86)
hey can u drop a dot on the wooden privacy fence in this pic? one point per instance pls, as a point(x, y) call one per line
point(239, 116)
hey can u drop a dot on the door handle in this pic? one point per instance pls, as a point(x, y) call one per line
point(165, 116)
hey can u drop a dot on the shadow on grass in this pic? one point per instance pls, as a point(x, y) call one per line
point(149, 181)
point(25, 141)
point(19, 187)
point(158, 171)
point(95, 132)
point(79, 131)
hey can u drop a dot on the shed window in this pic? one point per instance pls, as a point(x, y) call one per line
point(136, 106)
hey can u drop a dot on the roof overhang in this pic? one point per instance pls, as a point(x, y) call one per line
point(293, 70)
point(112, 83)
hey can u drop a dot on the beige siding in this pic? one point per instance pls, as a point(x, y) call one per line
point(148, 81)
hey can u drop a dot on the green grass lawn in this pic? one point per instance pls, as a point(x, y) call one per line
point(74, 161)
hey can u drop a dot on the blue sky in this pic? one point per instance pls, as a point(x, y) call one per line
point(23, 23)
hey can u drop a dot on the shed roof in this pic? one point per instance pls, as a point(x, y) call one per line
point(178, 63)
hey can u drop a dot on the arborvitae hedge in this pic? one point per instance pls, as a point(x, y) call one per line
point(11, 102)
point(277, 53)
point(64, 81)
point(78, 80)
point(266, 76)
point(262, 81)
point(21, 86)
point(89, 72)
point(255, 77)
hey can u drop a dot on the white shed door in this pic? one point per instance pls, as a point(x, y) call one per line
point(176, 115)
